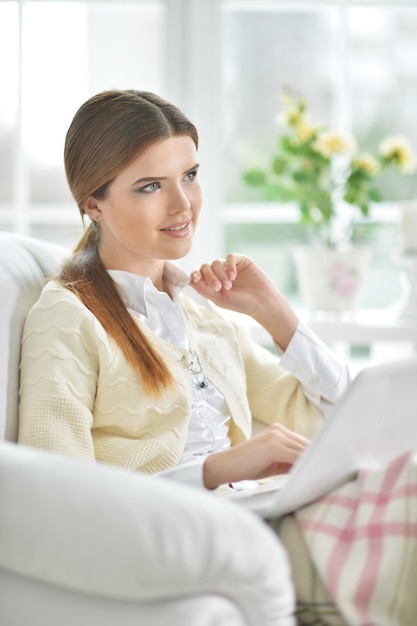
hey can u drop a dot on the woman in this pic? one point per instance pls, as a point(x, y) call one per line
point(118, 364)
point(124, 358)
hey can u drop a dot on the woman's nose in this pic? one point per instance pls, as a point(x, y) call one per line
point(179, 201)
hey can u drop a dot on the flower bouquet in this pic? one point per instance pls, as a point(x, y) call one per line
point(325, 174)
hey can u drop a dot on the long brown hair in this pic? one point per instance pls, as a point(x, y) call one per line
point(107, 133)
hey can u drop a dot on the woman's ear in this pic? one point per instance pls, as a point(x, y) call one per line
point(92, 209)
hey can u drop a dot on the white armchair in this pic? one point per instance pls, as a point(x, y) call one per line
point(95, 545)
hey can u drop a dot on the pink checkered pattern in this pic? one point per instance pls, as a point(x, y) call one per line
point(363, 542)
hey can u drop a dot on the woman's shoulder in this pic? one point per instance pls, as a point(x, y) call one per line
point(56, 301)
point(54, 292)
point(58, 314)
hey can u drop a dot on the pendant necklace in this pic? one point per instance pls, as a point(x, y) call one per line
point(195, 368)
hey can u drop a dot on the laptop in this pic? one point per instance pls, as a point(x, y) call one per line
point(374, 422)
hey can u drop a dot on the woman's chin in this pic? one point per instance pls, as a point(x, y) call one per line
point(180, 251)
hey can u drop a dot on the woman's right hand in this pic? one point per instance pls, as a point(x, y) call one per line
point(238, 284)
point(268, 453)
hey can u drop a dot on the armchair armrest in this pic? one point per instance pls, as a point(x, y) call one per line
point(106, 532)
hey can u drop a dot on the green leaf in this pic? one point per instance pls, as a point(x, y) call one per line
point(350, 196)
point(288, 146)
point(374, 195)
point(306, 217)
point(254, 177)
point(279, 165)
point(279, 193)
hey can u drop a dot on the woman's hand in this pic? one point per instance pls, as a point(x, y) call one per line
point(238, 284)
point(234, 283)
point(268, 453)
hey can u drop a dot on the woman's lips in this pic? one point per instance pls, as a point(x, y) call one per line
point(181, 229)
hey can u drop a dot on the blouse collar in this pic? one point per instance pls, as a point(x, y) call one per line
point(134, 288)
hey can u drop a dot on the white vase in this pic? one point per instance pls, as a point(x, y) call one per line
point(331, 280)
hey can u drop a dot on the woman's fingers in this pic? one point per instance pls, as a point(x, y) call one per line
point(271, 451)
point(230, 264)
point(216, 275)
point(286, 441)
point(219, 274)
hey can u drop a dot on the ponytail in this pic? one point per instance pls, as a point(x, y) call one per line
point(85, 275)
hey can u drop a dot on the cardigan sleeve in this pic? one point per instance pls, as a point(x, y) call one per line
point(274, 394)
point(59, 370)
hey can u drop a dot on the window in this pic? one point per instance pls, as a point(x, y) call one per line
point(353, 61)
point(60, 53)
point(225, 63)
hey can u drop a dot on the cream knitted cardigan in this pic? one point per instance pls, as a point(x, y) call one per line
point(80, 397)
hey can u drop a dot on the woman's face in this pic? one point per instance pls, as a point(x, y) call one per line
point(151, 208)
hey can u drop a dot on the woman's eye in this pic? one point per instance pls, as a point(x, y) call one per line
point(151, 187)
point(191, 175)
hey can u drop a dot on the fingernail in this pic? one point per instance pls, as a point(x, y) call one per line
point(227, 284)
point(217, 285)
point(195, 277)
point(232, 275)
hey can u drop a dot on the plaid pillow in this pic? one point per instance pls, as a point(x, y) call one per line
point(362, 540)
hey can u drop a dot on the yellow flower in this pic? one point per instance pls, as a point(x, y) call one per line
point(293, 112)
point(366, 162)
point(397, 147)
point(304, 130)
point(329, 143)
point(289, 116)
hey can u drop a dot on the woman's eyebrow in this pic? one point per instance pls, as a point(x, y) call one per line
point(149, 179)
point(194, 167)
